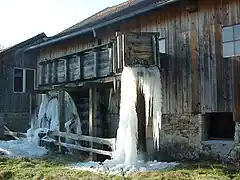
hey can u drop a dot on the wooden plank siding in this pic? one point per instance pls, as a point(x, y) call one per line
point(195, 77)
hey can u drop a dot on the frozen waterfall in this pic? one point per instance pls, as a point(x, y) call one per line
point(149, 81)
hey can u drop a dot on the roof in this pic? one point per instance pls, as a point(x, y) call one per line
point(101, 14)
point(24, 43)
point(107, 16)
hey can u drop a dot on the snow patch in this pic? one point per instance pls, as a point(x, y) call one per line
point(21, 148)
point(121, 169)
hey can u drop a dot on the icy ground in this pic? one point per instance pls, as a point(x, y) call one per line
point(21, 148)
point(120, 169)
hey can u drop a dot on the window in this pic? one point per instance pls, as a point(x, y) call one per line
point(18, 80)
point(162, 45)
point(24, 80)
point(231, 40)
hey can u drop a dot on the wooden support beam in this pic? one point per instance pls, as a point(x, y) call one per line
point(115, 56)
point(80, 67)
point(40, 74)
point(61, 114)
point(95, 63)
point(48, 74)
point(66, 69)
point(110, 57)
point(92, 115)
point(119, 51)
point(154, 45)
point(54, 72)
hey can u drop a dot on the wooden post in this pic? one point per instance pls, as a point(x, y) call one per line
point(54, 72)
point(48, 74)
point(92, 115)
point(114, 56)
point(95, 64)
point(80, 66)
point(40, 74)
point(110, 56)
point(66, 70)
point(61, 115)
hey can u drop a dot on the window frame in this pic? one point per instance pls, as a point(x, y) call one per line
point(230, 41)
point(160, 39)
point(24, 79)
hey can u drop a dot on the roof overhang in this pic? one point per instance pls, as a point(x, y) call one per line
point(103, 24)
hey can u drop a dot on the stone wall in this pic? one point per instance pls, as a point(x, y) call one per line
point(180, 136)
point(184, 136)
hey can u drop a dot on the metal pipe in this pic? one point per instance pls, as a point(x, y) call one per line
point(135, 13)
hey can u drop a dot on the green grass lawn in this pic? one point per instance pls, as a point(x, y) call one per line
point(54, 168)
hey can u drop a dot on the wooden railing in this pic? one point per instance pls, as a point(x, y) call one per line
point(54, 137)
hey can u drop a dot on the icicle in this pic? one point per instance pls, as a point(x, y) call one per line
point(150, 83)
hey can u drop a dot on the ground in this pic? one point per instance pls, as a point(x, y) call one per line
point(54, 168)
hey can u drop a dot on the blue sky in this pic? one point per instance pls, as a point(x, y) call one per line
point(22, 19)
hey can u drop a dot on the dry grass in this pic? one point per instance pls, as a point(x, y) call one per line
point(53, 168)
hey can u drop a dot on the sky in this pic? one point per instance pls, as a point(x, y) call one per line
point(23, 19)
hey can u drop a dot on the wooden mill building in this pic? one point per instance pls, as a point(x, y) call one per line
point(17, 83)
point(196, 45)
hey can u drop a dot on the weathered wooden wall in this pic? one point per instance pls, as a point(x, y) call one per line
point(15, 107)
point(195, 77)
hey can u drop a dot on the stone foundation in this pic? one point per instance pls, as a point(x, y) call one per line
point(180, 136)
point(183, 136)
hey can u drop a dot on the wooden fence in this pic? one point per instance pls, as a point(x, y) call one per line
point(55, 137)
point(59, 139)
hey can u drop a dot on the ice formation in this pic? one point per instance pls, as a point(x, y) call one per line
point(125, 158)
point(47, 120)
point(148, 80)
point(48, 116)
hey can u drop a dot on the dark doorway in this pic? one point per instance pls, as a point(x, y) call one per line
point(220, 126)
point(141, 114)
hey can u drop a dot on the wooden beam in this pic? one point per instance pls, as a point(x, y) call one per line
point(54, 72)
point(9, 132)
point(107, 141)
point(92, 115)
point(110, 57)
point(154, 43)
point(75, 85)
point(78, 147)
point(16, 135)
point(95, 64)
point(61, 114)
point(80, 67)
point(66, 70)
point(115, 56)
point(40, 74)
point(119, 50)
point(79, 52)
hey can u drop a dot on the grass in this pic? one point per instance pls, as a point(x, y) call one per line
point(53, 168)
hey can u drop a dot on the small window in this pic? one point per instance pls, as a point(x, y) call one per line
point(24, 80)
point(18, 80)
point(162, 45)
point(230, 40)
